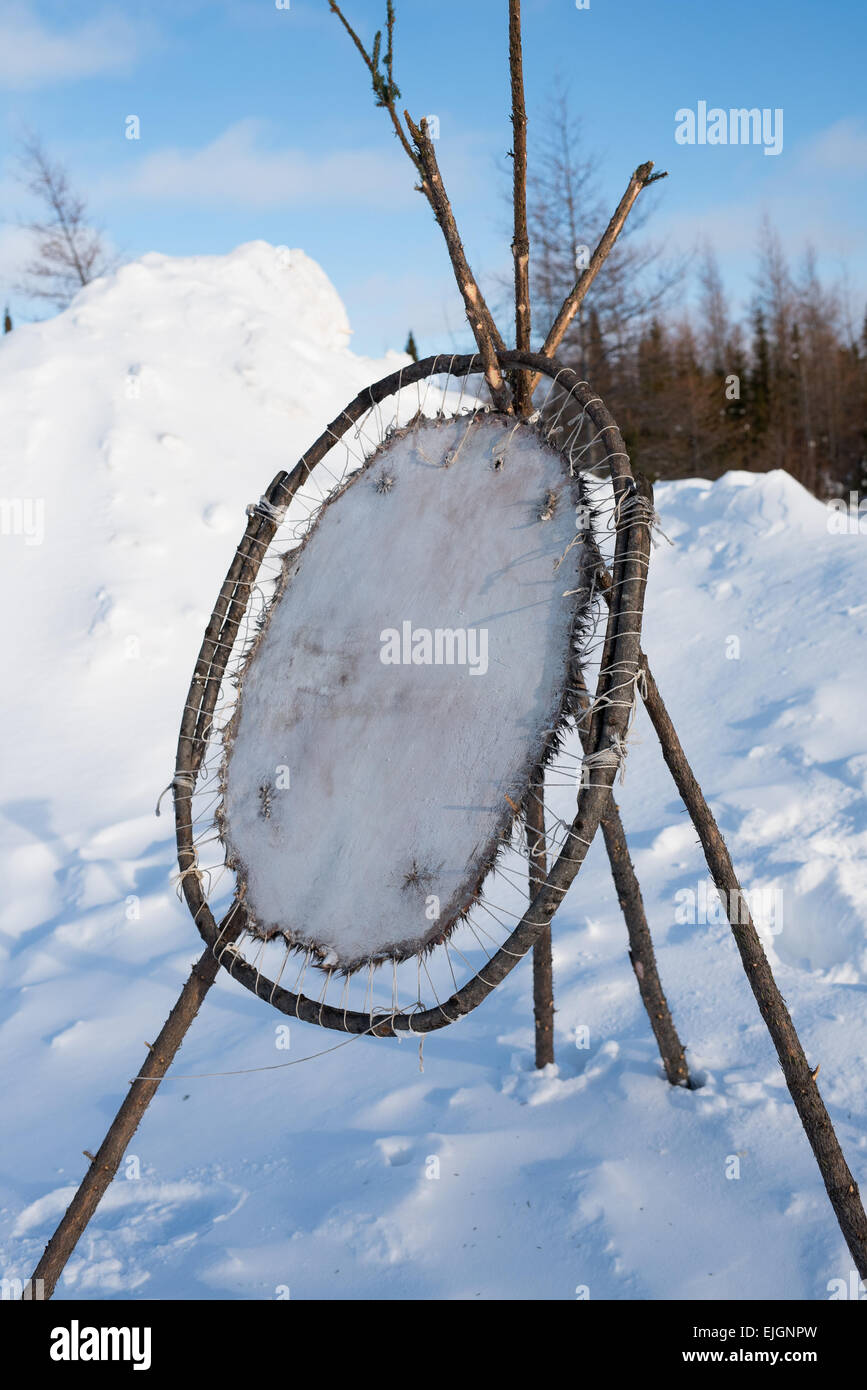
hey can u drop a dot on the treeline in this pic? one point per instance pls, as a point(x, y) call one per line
point(784, 385)
point(698, 395)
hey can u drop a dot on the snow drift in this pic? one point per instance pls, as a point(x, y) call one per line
point(137, 426)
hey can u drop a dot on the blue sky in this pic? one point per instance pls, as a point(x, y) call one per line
point(259, 122)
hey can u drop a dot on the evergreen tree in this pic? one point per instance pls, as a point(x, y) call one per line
point(7, 320)
point(411, 348)
point(759, 397)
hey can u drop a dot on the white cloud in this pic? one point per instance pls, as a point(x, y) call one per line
point(235, 167)
point(840, 148)
point(34, 55)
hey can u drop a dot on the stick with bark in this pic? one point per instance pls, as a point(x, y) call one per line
point(108, 1158)
point(521, 239)
point(641, 953)
point(543, 961)
point(640, 179)
point(534, 805)
point(800, 1077)
point(484, 329)
point(423, 156)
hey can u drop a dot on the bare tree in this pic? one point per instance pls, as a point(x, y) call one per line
point(69, 251)
point(713, 311)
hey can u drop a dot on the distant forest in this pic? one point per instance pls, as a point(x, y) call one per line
point(699, 393)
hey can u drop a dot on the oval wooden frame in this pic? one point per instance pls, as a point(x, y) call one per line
point(615, 695)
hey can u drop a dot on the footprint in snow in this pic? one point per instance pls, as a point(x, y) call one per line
point(397, 1152)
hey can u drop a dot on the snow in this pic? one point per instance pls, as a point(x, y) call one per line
point(355, 1175)
point(409, 675)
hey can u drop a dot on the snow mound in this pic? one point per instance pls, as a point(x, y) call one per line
point(136, 427)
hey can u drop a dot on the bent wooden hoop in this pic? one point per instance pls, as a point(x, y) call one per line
point(619, 671)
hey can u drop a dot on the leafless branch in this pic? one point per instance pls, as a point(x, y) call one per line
point(424, 160)
point(485, 331)
point(641, 178)
point(385, 89)
point(521, 238)
point(800, 1076)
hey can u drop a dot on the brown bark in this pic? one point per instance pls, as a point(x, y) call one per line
point(799, 1075)
point(642, 177)
point(534, 808)
point(521, 239)
point(108, 1159)
point(543, 964)
point(484, 329)
point(424, 160)
point(641, 952)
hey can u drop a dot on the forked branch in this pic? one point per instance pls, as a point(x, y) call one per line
point(421, 152)
point(385, 89)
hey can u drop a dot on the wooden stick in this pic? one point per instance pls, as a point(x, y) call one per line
point(385, 89)
point(641, 953)
point(125, 1123)
point(484, 329)
point(425, 163)
point(521, 240)
point(641, 178)
point(543, 962)
point(534, 808)
point(800, 1077)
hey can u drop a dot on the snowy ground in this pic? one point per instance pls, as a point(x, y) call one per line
point(146, 418)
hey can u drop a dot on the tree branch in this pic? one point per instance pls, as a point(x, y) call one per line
point(484, 329)
point(641, 953)
point(424, 161)
point(521, 240)
point(800, 1077)
point(125, 1123)
point(642, 178)
point(543, 960)
point(384, 87)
